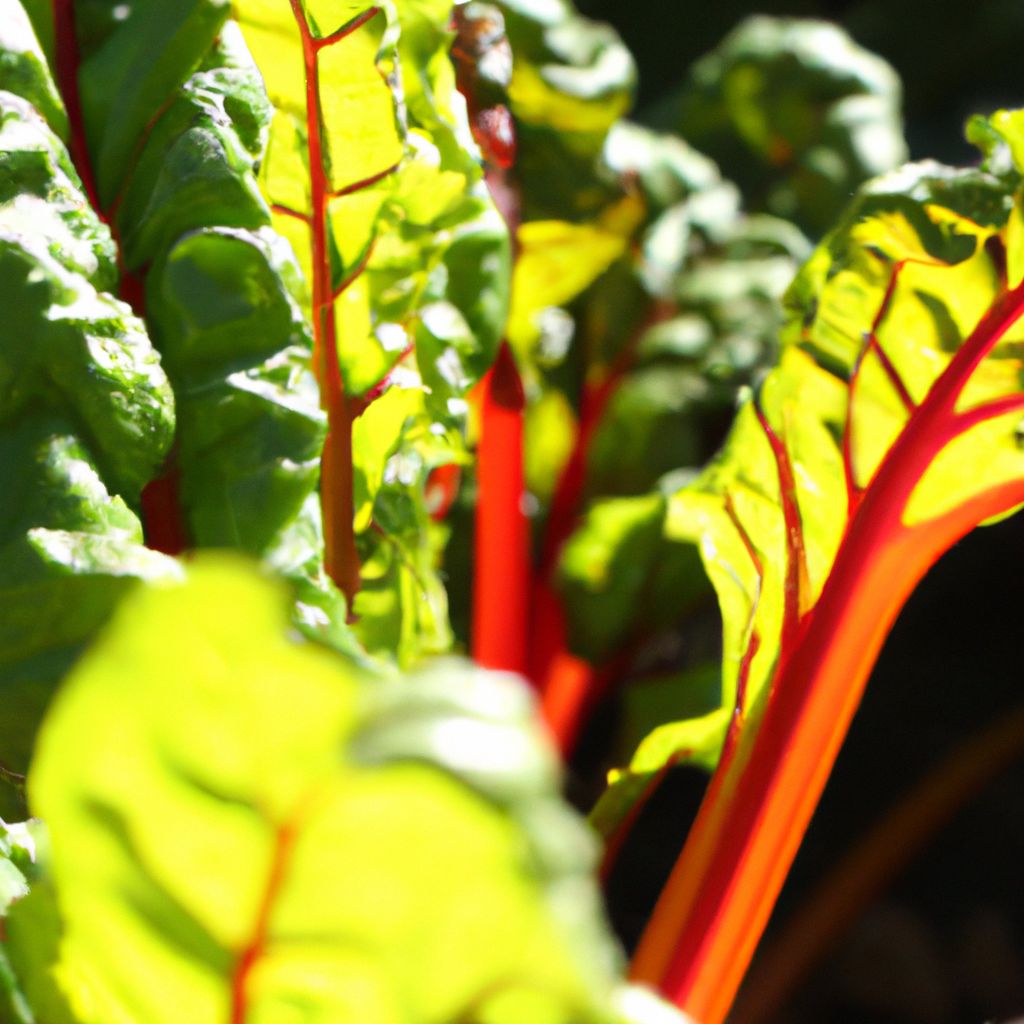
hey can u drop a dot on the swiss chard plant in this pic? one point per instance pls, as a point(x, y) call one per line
point(340, 339)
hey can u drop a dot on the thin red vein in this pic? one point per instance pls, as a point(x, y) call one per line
point(991, 410)
point(796, 561)
point(140, 145)
point(754, 640)
point(363, 183)
point(254, 949)
point(872, 339)
point(892, 373)
point(871, 342)
point(287, 211)
point(336, 474)
point(346, 30)
point(349, 279)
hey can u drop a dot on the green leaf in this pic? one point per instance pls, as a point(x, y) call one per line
point(41, 195)
point(243, 827)
point(572, 79)
point(798, 112)
point(236, 346)
point(197, 167)
point(622, 579)
point(891, 424)
point(129, 73)
point(29, 993)
point(86, 418)
point(23, 67)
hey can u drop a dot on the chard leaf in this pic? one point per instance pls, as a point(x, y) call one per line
point(572, 78)
point(197, 167)
point(236, 346)
point(41, 194)
point(889, 429)
point(221, 290)
point(885, 307)
point(622, 579)
point(798, 112)
point(32, 928)
point(132, 67)
point(368, 860)
point(368, 175)
point(24, 70)
point(86, 418)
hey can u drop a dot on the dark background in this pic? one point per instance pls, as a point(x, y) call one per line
point(956, 57)
point(944, 944)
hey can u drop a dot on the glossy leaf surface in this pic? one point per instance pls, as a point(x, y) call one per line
point(87, 417)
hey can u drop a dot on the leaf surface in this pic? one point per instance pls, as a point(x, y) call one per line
point(244, 829)
point(889, 429)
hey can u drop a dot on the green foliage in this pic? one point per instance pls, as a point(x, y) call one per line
point(240, 842)
point(886, 307)
point(252, 270)
point(800, 112)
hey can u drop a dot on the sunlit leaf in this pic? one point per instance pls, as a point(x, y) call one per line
point(311, 842)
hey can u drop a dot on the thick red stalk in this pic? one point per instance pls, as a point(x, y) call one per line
point(336, 471)
point(501, 577)
point(716, 903)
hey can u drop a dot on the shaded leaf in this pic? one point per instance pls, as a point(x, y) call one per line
point(798, 113)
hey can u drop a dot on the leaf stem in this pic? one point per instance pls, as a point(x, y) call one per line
point(501, 583)
point(341, 559)
point(885, 851)
point(716, 903)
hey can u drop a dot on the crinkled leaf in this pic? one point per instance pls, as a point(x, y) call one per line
point(236, 346)
point(24, 69)
point(197, 168)
point(798, 113)
point(86, 418)
point(41, 195)
point(130, 70)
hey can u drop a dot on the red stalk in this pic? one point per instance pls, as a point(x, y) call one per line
point(569, 684)
point(336, 473)
point(501, 588)
point(870, 866)
point(716, 903)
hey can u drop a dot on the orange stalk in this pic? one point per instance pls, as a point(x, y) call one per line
point(501, 590)
point(716, 903)
point(341, 559)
